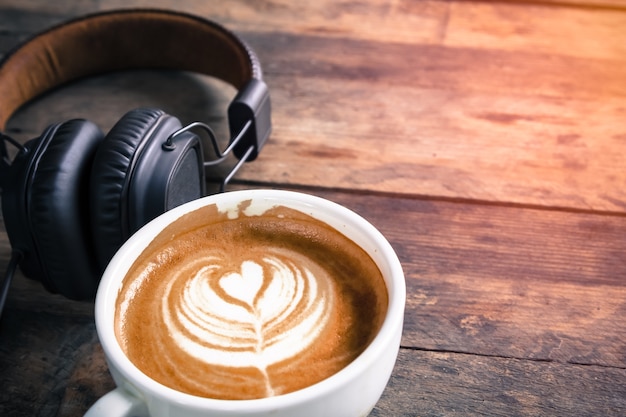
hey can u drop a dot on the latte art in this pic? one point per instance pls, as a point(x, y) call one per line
point(248, 306)
point(255, 317)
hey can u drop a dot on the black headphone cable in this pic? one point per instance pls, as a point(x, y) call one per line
point(16, 257)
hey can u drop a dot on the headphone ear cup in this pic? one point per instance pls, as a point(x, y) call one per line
point(116, 164)
point(57, 209)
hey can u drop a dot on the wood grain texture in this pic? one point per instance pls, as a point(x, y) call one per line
point(484, 139)
point(51, 364)
point(487, 101)
point(487, 285)
point(444, 384)
point(511, 282)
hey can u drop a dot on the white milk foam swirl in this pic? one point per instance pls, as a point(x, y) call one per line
point(268, 311)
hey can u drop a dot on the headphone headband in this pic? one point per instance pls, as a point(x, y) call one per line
point(122, 40)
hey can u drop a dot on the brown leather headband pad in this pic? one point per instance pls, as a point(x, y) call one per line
point(122, 40)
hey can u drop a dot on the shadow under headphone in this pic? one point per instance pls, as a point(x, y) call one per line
point(71, 197)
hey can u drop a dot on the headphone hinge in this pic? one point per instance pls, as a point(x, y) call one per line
point(251, 104)
point(5, 159)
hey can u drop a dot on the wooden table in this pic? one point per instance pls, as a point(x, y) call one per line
point(486, 140)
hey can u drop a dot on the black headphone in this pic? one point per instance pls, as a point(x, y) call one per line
point(71, 197)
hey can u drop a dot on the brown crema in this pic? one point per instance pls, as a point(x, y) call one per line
point(249, 307)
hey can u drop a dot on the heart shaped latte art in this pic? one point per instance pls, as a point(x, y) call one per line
point(263, 313)
point(244, 286)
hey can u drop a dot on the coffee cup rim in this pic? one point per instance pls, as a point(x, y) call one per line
point(379, 249)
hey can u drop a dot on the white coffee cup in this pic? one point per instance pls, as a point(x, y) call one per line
point(351, 392)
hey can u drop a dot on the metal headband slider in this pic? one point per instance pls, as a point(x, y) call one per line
point(252, 104)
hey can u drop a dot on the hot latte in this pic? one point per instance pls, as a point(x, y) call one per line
point(237, 305)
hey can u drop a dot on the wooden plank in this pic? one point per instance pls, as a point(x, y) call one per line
point(552, 26)
point(342, 129)
point(457, 122)
point(539, 27)
point(445, 384)
point(586, 4)
point(548, 26)
point(510, 282)
point(51, 364)
point(24, 17)
point(454, 127)
point(472, 121)
point(67, 373)
point(380, 20)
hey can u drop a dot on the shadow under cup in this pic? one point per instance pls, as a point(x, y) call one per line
point(351, 392)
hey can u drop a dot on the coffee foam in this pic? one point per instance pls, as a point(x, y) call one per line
point(248, 306)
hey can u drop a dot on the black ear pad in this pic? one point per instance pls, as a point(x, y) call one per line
point(57, 208)
point(131, 177)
